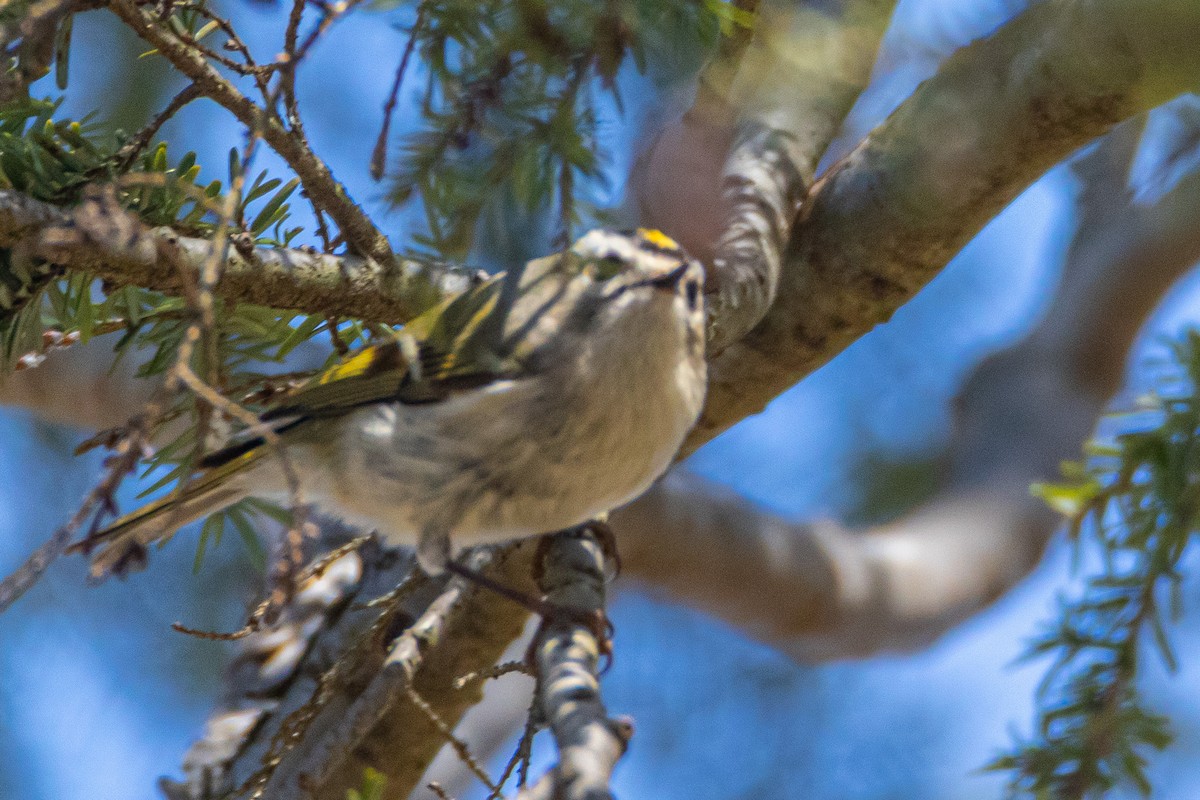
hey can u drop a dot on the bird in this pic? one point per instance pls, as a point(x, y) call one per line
point(531, 403)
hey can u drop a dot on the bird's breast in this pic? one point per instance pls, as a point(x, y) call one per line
point(514, 459)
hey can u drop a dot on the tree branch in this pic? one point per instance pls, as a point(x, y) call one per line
point(568, 656)
point(345, 705)
point(769, 131)
point(267, 663)
point(822, 591)
point(298, 279)
point(889, 216)
point(884, 221)
point(318, 181)
point(374, 723)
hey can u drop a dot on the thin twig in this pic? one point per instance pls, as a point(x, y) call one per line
point(27, 575)
point(322, 229)
point(335, 338)
point(317, 568)
point(332, 14)
point(314, 174)
point(217, 636)
point(129, 451)
point(392, 598)
point(197, 292)
point(288, 565)
point(249, 67)
point(461, 749)
point(379, 154)
point(261, 614)
point(134, 147)
point(521, 756)
point(492, 673)
point(288, 60)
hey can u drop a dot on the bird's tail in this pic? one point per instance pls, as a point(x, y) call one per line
point(121, 545)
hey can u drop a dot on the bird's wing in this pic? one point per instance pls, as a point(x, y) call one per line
point(465, 342)
point(425, 362)
point(454, 347)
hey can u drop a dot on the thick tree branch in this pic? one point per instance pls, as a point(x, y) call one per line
point(796, 113)
point(822, 591)
point(293, 279)
point(889, 217)
point(768, 129)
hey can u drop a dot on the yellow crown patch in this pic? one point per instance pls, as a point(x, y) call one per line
point(658, 239)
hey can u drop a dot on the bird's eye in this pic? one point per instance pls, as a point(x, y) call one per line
point(609, 266)
point(693, 294)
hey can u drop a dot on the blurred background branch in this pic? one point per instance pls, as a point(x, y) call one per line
point(888, 217)
point(823, 591)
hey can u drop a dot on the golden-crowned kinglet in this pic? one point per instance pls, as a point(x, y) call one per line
point(512, 410)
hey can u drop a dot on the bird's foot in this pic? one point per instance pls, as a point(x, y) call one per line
point(597, 622)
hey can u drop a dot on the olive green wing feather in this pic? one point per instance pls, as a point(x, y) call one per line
point(432, 356)
point(481, 335)
point(372, 374)
point(453, 347)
